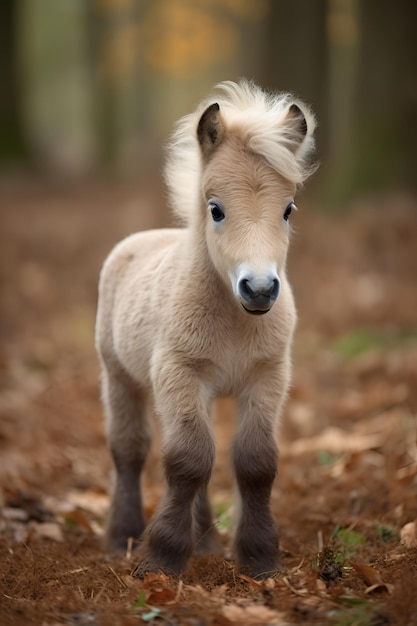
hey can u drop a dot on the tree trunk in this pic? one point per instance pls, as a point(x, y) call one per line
point(12, 141)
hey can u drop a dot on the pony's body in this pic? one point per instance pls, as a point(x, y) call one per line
point(188, 315)
point(224, 350)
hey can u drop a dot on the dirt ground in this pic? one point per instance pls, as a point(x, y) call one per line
point(345, 498)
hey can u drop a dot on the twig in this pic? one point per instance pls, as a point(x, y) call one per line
point(78, 570)
point(122, 582)
point(291, 588)
point(129, 548)
point(100, 593)
point(320, 540)
point(250, 581)
point(179, 590)
point(299, 566)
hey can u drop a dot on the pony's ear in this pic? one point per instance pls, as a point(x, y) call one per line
point(296, 127)
point(210, 129)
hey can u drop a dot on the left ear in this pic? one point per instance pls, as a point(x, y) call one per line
point(210, 130)
point(296, 127)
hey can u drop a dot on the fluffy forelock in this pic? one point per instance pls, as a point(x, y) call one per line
point(260, 119)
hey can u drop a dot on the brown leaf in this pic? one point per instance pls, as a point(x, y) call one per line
point(48, 530)
point(371, 576)
point(269, 583)
point(77, 517)
point(336, 441)
point(250, 581)
point(155, 580)
point(251, 614)
point(409, 535)
point(162, 596)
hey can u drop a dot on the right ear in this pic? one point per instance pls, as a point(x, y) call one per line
point(210, 130)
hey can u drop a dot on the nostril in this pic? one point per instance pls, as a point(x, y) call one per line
point(246, 290)
point(273, 291)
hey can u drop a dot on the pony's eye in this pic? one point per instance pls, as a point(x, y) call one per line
point(288, 210)
point(217, 212)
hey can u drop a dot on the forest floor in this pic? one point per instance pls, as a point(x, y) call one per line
point(346, 495)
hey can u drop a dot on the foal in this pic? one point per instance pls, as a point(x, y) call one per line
point(187, 315)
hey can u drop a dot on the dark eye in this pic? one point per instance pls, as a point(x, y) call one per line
point(217, 212)
point(288, 210)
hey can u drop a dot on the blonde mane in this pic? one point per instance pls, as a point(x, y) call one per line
point(261, 121)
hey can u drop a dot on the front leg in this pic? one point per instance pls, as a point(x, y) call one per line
point(188, 460)
point(256, 538)
point(255, 459)
point(205, 535)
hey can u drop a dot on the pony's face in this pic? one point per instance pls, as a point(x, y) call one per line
point(247, 203)
point(247, 208)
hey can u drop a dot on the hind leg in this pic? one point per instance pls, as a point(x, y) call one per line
point(206, 540)
point(129, 440)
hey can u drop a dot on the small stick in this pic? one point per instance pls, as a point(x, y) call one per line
point(129, 548)
point(320, 540)
point(179, 590)
point(301, 593)
point(122, 582)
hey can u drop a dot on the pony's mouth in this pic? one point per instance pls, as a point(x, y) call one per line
point(256, 311)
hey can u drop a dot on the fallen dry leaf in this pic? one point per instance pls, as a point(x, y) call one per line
point(336, 441)
point(371, 576)
point(269, 583)
point(154, 580)
point(78, 517)
point(406, 473)
point(251, 614)
point(159, 587)
point(14, 514)
point(251, 581)
point(409, 535)
point(161, 596)
point(48, 530)
point(298, 592)
point(21, 533)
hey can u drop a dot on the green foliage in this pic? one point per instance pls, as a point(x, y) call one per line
point(70, 523)
point(224, 517)
point(356, 612)
point(386, 533)
point(360, 341)
point(349, 541)
point(349, 538)
point(140, 603)
point(326, 458)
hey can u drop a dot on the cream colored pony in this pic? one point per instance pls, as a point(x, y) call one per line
point(187, 315)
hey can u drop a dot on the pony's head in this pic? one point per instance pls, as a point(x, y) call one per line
point(239, 161)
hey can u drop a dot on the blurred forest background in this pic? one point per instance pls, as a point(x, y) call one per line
point(91, 88)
